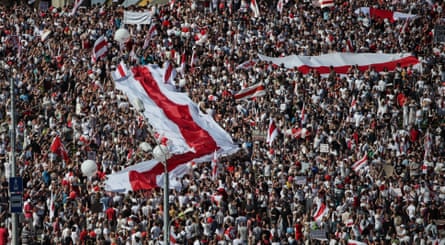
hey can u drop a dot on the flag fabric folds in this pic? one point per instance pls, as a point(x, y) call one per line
point(384, 14)
point(272, 132)
point(134, 18)
point(58, 148)
point(100, 48)
point(326, 3)
point(246, 65)
point(192, 135)
point(280, 6)
point(342, 62)
point(169, 75)
point(355, 242)
point(255, 9)
point(253, 91)
point(76, 5)
point(361, 163)
point(121, 72)
point(321, 211)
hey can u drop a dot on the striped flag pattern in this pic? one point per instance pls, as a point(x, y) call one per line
point(272, 132)
point(253, 91)
point(100, 48)
point(326, 3)
point(320, 212)
point(361, 163)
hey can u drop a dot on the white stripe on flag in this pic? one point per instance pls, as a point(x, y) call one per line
point(272, 132)
point(194, 136)
point(253, 91)
point(77, 4)
point(255, 8)
point(100, 48)
point(326, 3)
point(121, 72)
point(320, 212)
point(355, 242)
point(360, 163)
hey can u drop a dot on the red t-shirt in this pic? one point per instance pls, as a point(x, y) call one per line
point(111, 213)
point(4, 235)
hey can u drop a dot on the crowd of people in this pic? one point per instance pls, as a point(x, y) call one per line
point(274, 193)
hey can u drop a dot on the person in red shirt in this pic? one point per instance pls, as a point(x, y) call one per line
point(111, 216)
point(4, 234)
point(298, 231)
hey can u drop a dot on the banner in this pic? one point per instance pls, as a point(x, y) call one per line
point(134, 18)
point(128, 3)
point(384, 14)
point(342, 62)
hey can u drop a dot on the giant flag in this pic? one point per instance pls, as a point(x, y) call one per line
point(193, 135)
point(341, 62)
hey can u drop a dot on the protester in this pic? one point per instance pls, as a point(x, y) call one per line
point(358, 158)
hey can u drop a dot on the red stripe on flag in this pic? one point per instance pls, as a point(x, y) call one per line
point(100, 45)
point(195, 136)
point(391, 65)
point(168, 72)
point(249, 92)
point(121, 70)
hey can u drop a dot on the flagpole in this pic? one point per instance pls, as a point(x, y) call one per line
point(14, 217)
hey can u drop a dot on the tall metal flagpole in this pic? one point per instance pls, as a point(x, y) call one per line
point(14, 217)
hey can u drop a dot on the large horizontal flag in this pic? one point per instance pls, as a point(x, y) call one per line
point(384, 14)
point(192, 135)
point(342, 62)
point(253, 91)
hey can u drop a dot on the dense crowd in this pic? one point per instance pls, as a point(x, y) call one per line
point(271, 192)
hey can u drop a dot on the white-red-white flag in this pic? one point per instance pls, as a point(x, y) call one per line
point(246, 65)
point(280, 5)
point(255, 9)
point(121, 72)
point(361, 163)
point(253, 91)
point(58, 148)
point(152, 32)
point(303, 114)
point(355, 242)
point(172, 4)
point(353, 104)
point(100, 48)
point(272, 132)
point(76, 5)
point(321, 211)
point(173, 237)
point(326, 3)
point(192, 135)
